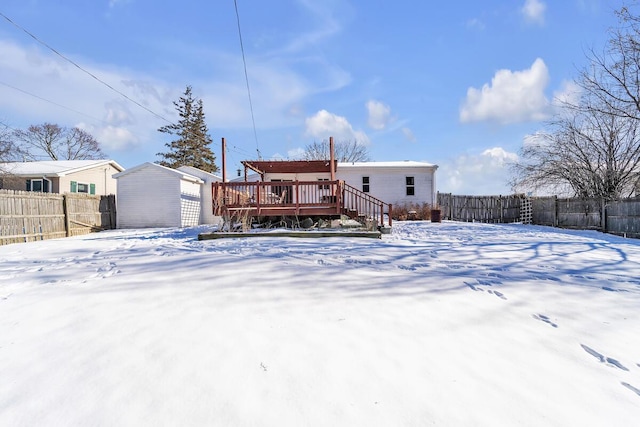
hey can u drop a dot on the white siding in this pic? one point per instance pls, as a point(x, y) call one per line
point(148, 197)
point(189, 203)
point(297, 176)
point(101, 177)
point(389, 183)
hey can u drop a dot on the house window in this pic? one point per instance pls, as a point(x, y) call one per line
point(36, 185)
point(411, 186)
point(323, 186)
point(40, 185)
point(365, 184)
point(81, 187)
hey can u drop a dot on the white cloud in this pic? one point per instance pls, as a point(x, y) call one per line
point(278, 92)
point(569, 93)
point(111, 137)
point(324, 124)
point(512, 96)
point(408, 134)
point(379, 114)
point(533, 11)
point(477, 174)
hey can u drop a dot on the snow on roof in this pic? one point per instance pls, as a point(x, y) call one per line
point(54, 167)
point(202, 174)
point(394, 164)
point(181, 174)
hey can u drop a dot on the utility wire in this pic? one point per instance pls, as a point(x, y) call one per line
point(246, 77)
point(82, 69)
point(52, 102)
point(90, 74)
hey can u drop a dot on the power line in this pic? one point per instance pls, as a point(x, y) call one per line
point(246, 77)
point(90, 74)
point(52, 102)
point(82, 69)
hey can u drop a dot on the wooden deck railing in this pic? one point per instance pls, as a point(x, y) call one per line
point(311, 198)
point(365, 205)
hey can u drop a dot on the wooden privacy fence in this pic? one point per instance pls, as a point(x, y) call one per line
point(495, 209)
point(621, 217)
point(27, 216)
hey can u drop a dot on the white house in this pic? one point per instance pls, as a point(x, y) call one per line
point(151, 195)
point(61, 176)
point(398, 183)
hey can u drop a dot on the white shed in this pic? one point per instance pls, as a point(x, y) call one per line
point(399, 183)
point(150, 195)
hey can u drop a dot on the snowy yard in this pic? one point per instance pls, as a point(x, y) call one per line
point(445, 324)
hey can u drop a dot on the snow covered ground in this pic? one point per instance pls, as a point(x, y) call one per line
point(447, 324)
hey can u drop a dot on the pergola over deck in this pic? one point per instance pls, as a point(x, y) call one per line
point(291, 167)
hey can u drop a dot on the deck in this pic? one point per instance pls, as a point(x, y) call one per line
point(297, 198)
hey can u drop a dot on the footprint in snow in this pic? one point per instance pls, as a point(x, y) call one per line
point(609, 361)
point(632, 388)
point(478, 288)
point(473, 287)
point(498, 294)
point(544, 319)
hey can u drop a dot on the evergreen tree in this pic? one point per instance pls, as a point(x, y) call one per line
point(191, 147)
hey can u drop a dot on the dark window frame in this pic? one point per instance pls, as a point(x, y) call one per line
point(410, 184)
point(366, 184)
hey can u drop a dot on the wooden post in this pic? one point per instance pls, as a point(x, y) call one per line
point(224, 160)
point(67, 215)
point(332, 157)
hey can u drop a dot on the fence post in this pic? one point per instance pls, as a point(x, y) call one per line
point(555, 211)
point(603, 215)
point(67, 216)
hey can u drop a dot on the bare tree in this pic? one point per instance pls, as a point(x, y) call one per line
point(345, 151)
point(8, 150)
point(592, 151)
point(592, 145)
point(613, 76)
point(50, 141)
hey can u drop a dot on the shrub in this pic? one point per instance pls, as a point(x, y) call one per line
point(411, 211)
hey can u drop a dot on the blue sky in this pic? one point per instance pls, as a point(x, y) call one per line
point(459, 84)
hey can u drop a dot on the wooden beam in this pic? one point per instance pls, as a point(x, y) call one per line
point(300, 234)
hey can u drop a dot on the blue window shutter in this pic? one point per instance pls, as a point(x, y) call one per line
point(28, 185)
point(45, 186)
point(92, 189)
point(74, 187)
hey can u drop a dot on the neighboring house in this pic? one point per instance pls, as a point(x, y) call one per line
point(151, 195)
point(61, 176)
point(399, 183)
point(206, 213)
